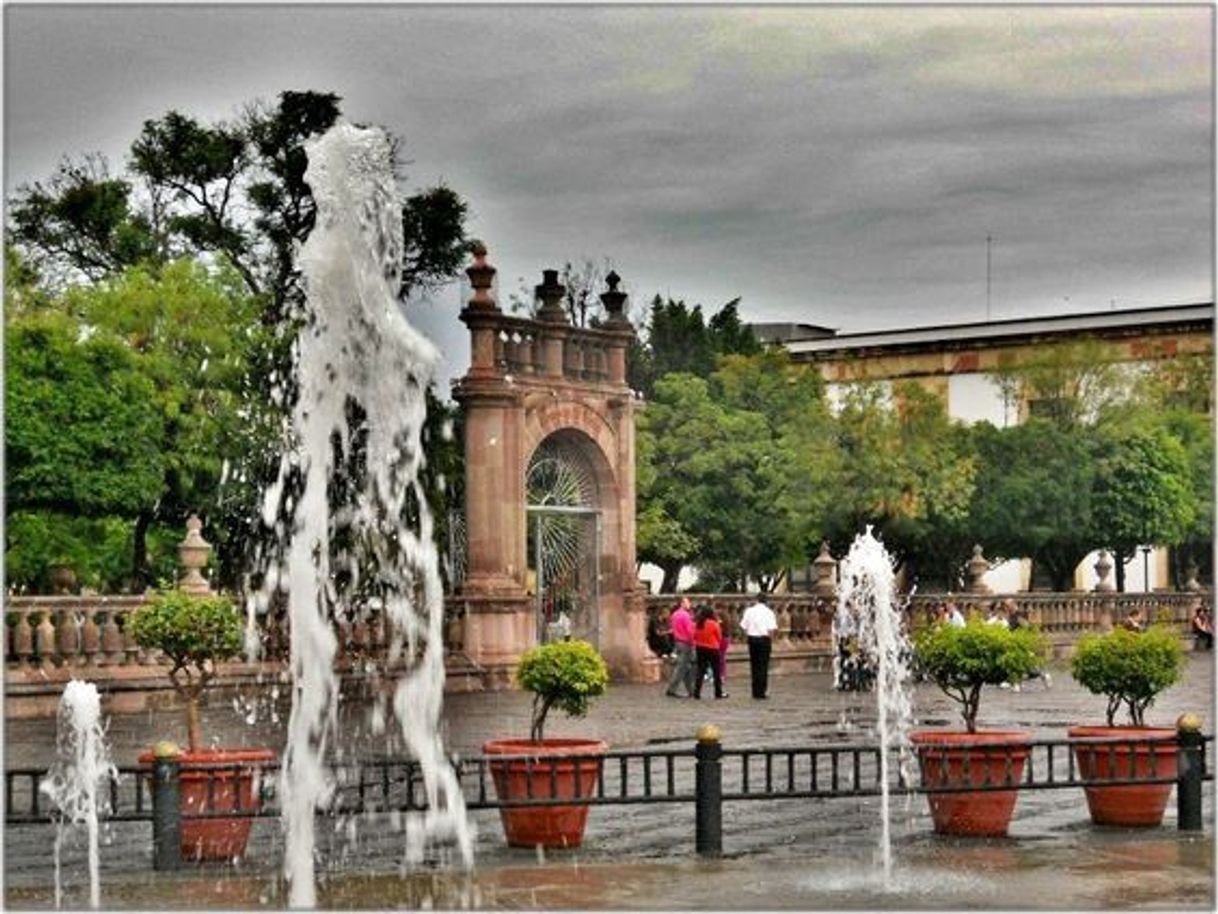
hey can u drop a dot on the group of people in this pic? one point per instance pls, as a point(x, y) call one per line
point(698, 642)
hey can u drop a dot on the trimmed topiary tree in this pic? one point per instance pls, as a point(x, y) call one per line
point(194, 633)
point(1130, 668)
point(960, 660)
point(566, 674)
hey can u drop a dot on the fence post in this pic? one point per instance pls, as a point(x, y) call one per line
point(166, 811)
point(1190, 773)
point(708, 792)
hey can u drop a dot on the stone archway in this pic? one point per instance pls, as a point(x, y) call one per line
point(536, 384)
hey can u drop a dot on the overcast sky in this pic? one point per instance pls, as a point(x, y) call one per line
point(836, 166)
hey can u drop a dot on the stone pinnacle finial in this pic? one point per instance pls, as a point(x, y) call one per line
point(614, 301)
point(550, 292)
point(481, 276)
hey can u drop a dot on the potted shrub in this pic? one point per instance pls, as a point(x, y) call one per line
point(1130, 668)
point(961, 661)
point(194, 633)
point(565, 675)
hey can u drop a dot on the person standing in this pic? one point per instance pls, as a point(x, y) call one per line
point(681, 623)
point(707, 639)
point(759, 625)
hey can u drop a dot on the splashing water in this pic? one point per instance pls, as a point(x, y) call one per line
point(362, 372)
point(82, 762)
point(868, 612)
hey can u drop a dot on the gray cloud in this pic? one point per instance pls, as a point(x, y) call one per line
point(834, 165)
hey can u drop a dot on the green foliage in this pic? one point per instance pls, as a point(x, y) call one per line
point(1130, 668)
point(960, 660)
point(194, 632)
point(677, 339)
point(97, 549)
point(1142, 490)
point(83, 429)
point(1034, 493)
point(726, 477)
point(565, 674)
point(907, 470)
point(190, 630)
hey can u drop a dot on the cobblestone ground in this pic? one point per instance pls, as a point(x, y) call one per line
point(778, 854)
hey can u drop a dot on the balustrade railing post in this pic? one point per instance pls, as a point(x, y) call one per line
point(1190, 772)
point(708, 792)
point(166, 808)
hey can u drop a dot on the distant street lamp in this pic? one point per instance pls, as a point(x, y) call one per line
point(1146, 568)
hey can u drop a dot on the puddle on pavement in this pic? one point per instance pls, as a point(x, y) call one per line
point(1119, 870)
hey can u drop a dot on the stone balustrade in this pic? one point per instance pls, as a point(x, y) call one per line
point(520, 346)
point(91, 633)
point(48, 638)
point(84, 632)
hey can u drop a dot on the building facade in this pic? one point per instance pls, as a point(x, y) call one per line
point(964, 363)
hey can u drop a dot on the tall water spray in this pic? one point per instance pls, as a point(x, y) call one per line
point(362, 373)
point(82, 763)
point(869, 612)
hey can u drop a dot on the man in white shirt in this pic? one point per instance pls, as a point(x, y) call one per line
point(758, 623)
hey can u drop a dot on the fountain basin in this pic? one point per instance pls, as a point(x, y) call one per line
point(988, 757)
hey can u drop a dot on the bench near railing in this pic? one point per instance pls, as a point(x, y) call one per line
point(706, 775)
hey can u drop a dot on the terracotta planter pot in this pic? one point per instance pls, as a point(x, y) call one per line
point(232, 789)
point(1130, 805)
point(951, 758)
point(549, 771)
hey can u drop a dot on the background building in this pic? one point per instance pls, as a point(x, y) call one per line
point(963, 364)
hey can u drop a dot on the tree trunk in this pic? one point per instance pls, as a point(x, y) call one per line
point(1120, 570)
point(194, 731)
point(672, 576)
point(139, 552)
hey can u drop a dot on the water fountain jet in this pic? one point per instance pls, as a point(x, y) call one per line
point(362, 372)
point(869, 613)
point(82, 763)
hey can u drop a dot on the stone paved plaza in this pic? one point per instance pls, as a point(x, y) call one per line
point(778, 854)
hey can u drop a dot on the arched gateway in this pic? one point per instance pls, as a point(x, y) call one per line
point(549, 482)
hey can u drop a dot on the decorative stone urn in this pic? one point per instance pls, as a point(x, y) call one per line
point(1103, 565)
point(193, 553)
point(825, 565)
point(978, 565)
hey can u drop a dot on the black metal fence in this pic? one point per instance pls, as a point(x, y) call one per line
point(706, 774)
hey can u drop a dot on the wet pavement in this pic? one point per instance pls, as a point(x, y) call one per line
point(784, 854)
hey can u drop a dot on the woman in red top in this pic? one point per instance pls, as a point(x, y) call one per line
point(707, 638)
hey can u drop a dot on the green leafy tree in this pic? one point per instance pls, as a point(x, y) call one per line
point(1130, 668)
point(562, 674)
point(1068, 384)
point(961, 660)
point(194, 633)
point(723, 482)
point(1033, 495)
point(195, 332)
point(1142, 493)
point(234, 193)
point(676, 338)
point(791, 399)
point(82, 428)
point(906, 470)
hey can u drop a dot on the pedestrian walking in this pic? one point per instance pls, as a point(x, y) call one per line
point(708, 638)
point(759, 625)
point(681, 625)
